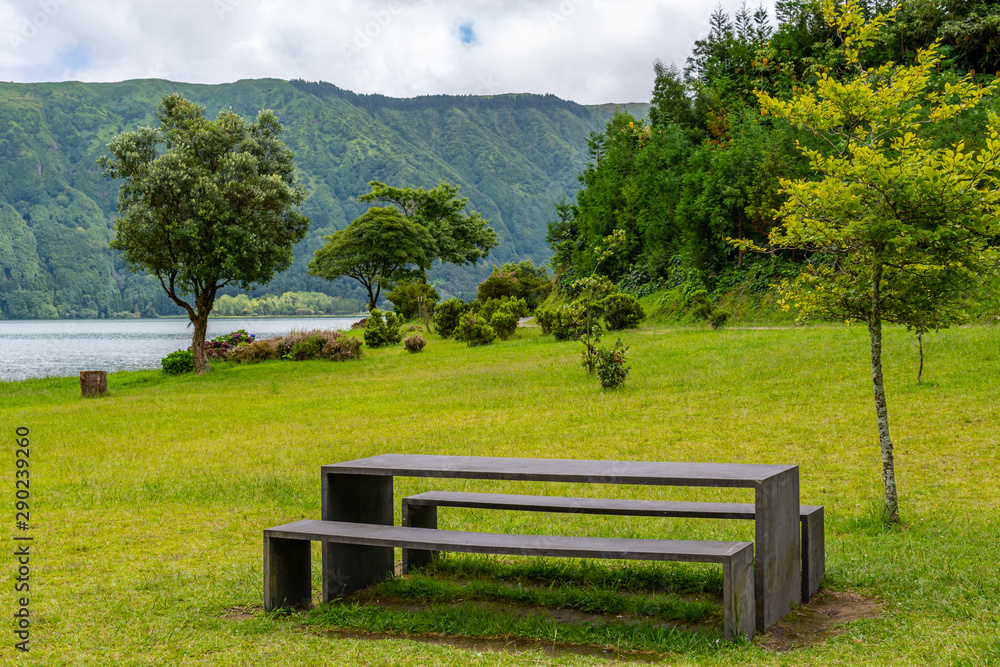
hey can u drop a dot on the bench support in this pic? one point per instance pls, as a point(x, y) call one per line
point(287, 573)
point(287, 563)
point(421, 510)
point(738, 605)
point(813, 550)
point(419, 516)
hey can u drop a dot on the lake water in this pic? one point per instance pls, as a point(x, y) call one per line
point(44, 348)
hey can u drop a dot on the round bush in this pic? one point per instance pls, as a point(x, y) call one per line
point(474, 330)
point(500, 285)
point(622, 311)
point(178, 363)
point(504, 322)
point(414, 343)
point(564, 322)
point(379, 332)
point(612, 365)
point(518, 307)
point(447, 315)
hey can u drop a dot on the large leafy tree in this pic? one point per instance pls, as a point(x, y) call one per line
point(459, 238)
point(900, 230)
point(204, 204)
point(374, 249)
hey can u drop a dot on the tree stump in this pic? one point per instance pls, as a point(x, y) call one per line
point(93, 383)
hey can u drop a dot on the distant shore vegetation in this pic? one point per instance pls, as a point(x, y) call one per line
point(289, 303)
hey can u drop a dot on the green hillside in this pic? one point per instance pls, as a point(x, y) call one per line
point(513, 156)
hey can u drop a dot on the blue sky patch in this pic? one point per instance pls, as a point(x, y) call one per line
point(466, 34)
point(75, 59)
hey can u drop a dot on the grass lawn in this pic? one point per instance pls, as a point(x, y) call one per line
point(147, 505)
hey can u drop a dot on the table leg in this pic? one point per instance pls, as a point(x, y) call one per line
point(777, 573)
point(357, 499)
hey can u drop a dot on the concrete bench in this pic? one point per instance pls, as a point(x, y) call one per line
point(288, 570)
point(421, 511)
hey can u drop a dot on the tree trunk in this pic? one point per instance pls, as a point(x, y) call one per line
point(200, 322)
point(881, 410)
point(739, 234)
point(373, 296)
point(920, 346)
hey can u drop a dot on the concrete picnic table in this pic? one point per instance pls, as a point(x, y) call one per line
point(361, 491)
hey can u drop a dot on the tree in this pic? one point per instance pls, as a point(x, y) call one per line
point(900, 230)
point(458, 238)
point(374, 249)
point(414, 299)
point(216, 206)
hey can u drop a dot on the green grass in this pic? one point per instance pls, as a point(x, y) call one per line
point(148, 504)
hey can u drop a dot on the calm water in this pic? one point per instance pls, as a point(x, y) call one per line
point(43, 348)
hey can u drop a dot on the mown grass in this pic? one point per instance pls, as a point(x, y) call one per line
point(148, 504)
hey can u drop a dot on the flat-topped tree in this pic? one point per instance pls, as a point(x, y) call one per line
point(205, 204)
point(899, 229)
point(459, 238)
point(374, 249)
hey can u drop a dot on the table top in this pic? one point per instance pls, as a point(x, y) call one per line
point(563, 470)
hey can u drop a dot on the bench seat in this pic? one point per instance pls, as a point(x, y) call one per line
point(421, 511)
point(288, 571)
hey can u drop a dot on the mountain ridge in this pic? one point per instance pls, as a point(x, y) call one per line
point(513, 156)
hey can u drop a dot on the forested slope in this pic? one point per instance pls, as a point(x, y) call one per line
point(513, 157)
point(706, 163)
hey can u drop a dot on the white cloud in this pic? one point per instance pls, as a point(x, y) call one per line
point(590, 51)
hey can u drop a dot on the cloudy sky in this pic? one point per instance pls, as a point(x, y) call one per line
point(589, 51)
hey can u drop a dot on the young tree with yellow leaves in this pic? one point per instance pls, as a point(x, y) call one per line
point(899, 230)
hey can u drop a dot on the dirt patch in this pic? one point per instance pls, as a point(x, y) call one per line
point(242, 613)
point(511, 608)
point(480, 645)
point(824, 617)
point(814, 623)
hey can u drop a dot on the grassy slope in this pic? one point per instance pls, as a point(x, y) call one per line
point(148, 505)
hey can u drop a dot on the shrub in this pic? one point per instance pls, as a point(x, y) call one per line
point(298, 346)
point(564, 322)
point(518, 307)
point(405, 296)
point(503, 314)
point(504, 322)
point(706, 310)
point(380, 332)
point(220, 346)
point(500, 284)
point(302, 346)
point(523, 280)
point(718, 318)
point(338, 346)
point(414, 343)
point(622, 311)
point(178, 363)
point(360, 324)
point(546, 318)
point(264, 349)
point(475, 330)
point(447, 315)
point(611, 365)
